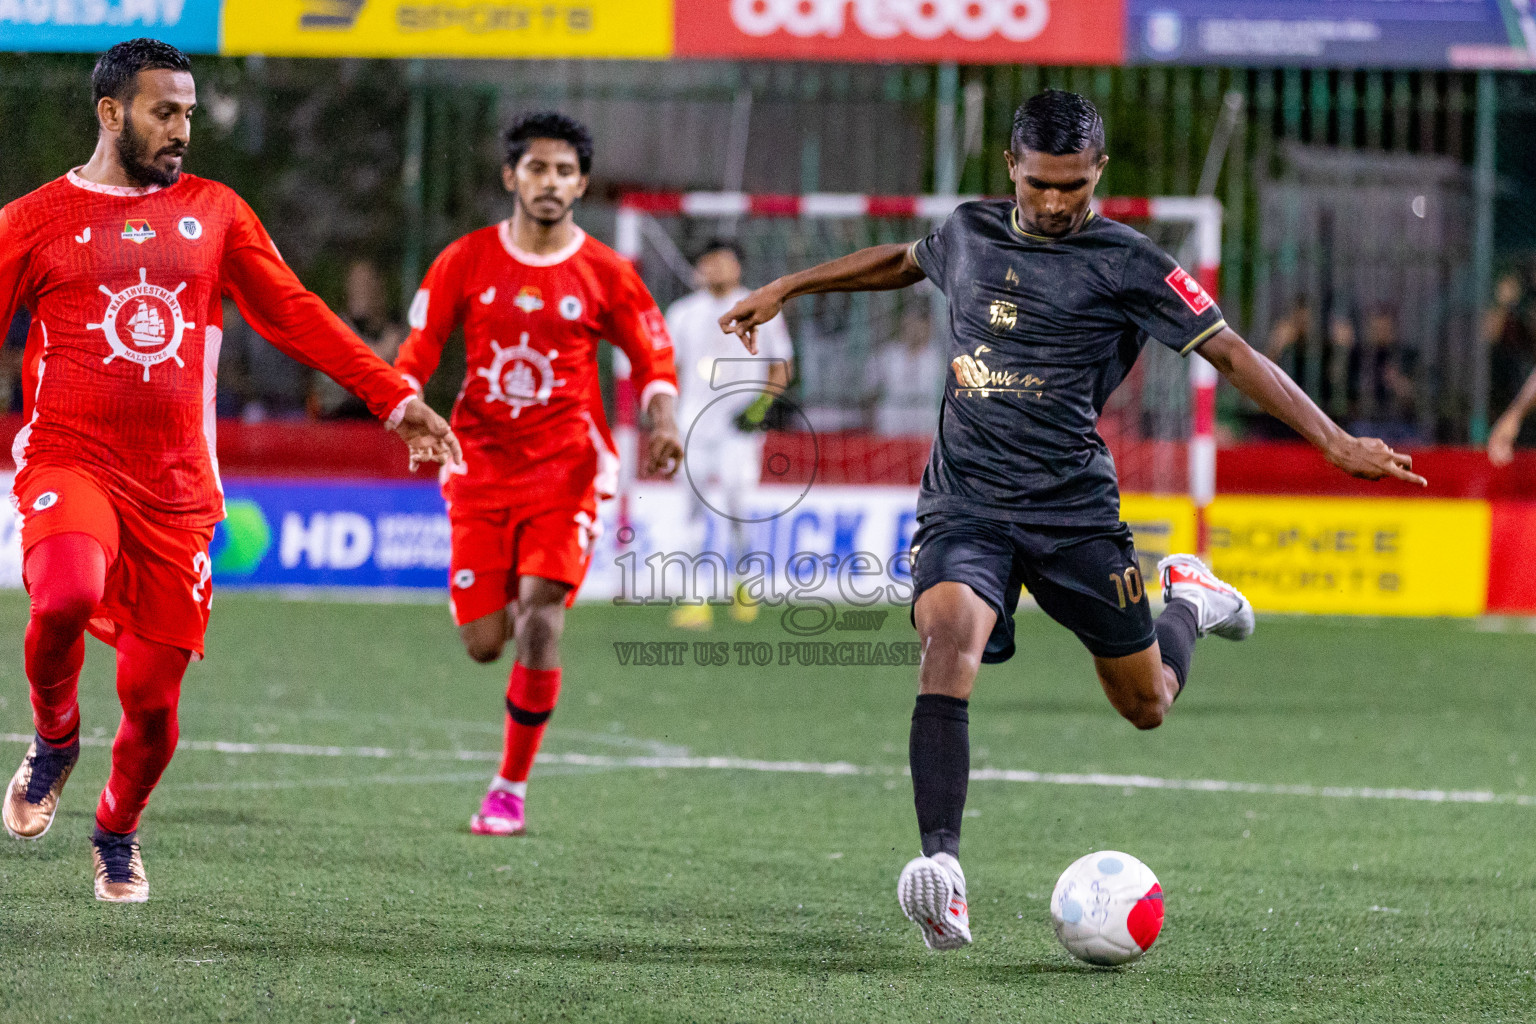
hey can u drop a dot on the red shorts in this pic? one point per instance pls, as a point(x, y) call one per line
point(492, 550)
point(158, 577)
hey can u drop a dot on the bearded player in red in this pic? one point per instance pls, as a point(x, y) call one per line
point(534, 294)
point(123, 263)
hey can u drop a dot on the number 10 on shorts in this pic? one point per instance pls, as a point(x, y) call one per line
point(1128, 586)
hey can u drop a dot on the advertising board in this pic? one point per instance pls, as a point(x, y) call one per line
point(1342, 33)
point(971, 31)
point(449, 28)
point(86, 26)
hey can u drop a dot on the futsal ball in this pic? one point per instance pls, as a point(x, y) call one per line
point(1107, 908)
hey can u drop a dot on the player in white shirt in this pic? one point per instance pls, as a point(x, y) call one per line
point(723, 395)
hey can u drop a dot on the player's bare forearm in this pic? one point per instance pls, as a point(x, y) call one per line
point(1501, 441)
point(876, 269)
point(664, 453)
point(1256, 376)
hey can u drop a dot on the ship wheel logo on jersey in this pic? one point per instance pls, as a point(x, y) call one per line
point(519, 376)
point(143, 323)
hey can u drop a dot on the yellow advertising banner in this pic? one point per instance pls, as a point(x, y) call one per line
point(1354, 557)
point(1162, 525)
point(449, 28)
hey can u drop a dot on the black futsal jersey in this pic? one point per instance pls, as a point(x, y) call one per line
point(1041, 331)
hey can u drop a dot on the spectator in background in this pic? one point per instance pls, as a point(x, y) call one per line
point(1510, 330)
point(1319, 364)
point(723, 395)
point(11, 356)
point(1381, 391)
point(366, 311)
point(906, 378)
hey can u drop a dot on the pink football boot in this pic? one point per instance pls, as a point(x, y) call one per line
point(500, 814)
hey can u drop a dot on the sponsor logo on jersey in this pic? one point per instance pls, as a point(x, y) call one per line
point(143, 323)
point(488, 296)
point(975, 377)
point(191, 228)
point(1002, 316)
point(1188, 289)
point(656, 326)
point(464, 579)
point(84, 236)
point(138, 232)
point(518, 376)
point(45, 501)
point(570, 307)
point(529, 299)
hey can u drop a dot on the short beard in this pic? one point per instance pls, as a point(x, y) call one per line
point(542, 221)
point(140, 169)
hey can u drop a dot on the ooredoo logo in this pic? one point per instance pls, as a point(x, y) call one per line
point(974, 20)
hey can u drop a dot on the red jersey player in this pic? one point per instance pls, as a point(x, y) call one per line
point(123, 263)
point(534, 294)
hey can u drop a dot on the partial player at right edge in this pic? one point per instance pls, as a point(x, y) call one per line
point(1049, 306)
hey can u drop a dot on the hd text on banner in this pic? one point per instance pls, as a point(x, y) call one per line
point(87, 26)
point(449, 28)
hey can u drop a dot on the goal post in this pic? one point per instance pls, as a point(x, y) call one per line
point(653, 230)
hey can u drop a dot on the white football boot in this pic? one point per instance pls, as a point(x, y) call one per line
point(1219, 607)
point(931, 891)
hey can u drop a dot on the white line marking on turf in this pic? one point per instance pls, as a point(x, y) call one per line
point(1099, 779)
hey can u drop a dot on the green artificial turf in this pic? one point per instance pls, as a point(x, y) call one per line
point(289, 886)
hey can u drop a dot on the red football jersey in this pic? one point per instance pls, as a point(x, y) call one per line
point(125, 286)
point(530, 415)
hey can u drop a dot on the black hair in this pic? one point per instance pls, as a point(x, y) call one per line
point(117, 71)
point(1057, 123)
point(548, 124)
point(720, 242)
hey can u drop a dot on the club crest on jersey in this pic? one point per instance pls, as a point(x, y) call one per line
point(191, 228)
point(138, 232)
point(518, 376)
point(529, 299)
point(143, 323)
point(1189, 290)
point(570, 307)
point(1003, 316)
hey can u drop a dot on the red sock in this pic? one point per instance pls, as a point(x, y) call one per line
point(531, 696)
point(66, 576)
point(149, 686)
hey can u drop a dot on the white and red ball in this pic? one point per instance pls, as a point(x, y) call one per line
point(1107, 908)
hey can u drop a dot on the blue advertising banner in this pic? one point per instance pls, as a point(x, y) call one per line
point(331, 534)
point(1341, 33)
point(86, 26)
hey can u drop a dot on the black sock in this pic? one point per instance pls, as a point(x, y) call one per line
point(1176, 629)
point(940, 755)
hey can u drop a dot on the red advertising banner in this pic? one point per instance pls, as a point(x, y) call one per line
point(967, 31)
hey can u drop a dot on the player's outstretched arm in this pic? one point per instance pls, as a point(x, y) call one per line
point(1260, 379)
point(1501, 442)
point(876, 269)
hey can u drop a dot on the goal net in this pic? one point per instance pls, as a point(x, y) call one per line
point(869, 366)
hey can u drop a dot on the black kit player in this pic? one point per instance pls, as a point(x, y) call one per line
point(1049, 306)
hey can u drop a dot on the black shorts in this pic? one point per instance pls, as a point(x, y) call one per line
point(1086, 578)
